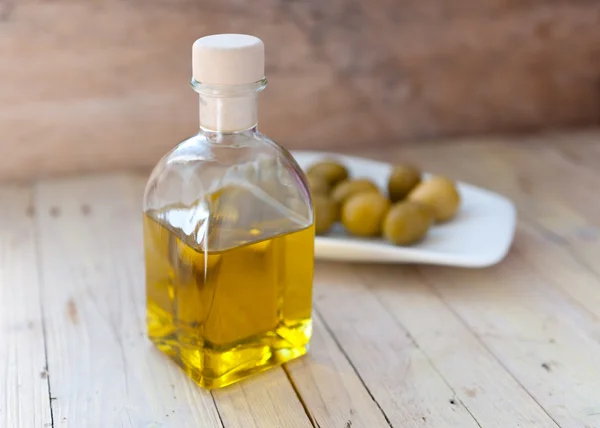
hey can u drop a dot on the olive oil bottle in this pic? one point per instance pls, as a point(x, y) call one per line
point(228, 231)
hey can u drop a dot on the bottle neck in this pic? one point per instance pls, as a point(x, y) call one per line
point(228, 114)
point(228, 109)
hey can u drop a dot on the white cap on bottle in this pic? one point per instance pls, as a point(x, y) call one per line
point(228, 59)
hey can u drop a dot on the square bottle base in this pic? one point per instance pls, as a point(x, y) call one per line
point(215, 367)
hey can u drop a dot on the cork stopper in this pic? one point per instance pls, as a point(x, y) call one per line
point(228, 59)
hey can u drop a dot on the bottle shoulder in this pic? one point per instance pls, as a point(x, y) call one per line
point(246, 174)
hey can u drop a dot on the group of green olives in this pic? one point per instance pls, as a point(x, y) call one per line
point(403, 215)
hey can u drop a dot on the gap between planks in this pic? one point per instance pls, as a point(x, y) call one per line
point(24, 391)
point(102, 370)
point(93, 288)
point(511, 360)
point(541, 184)
point(436, 348)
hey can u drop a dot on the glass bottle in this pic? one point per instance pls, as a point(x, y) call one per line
point(228, 231)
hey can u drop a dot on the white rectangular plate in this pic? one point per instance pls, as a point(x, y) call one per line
point(480, 235)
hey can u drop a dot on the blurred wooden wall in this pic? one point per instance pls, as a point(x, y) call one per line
point(103, 84)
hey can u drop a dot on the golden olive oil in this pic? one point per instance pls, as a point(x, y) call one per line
point(224, 315)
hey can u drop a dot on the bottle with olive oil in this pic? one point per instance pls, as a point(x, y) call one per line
point(228, 231)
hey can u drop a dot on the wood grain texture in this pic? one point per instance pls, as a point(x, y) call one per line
point(461, 359)
point(404, 346)
point(103, 85)
point(542, 329)
point(400, 377)
point(334, 394)
point(104, 372)
point(267, 400)
point(24, 394)
point(537, 334)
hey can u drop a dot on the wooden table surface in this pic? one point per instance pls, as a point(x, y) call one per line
point(515, 345)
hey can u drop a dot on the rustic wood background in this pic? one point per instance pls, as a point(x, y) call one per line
point(102, 84)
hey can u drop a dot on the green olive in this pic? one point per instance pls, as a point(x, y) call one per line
point(363, 213)
point(333, 172)
point(440, 194)
point(325, 213)
point(403, 179)
point(407, 222)
point(317, 184)
point(343, 190)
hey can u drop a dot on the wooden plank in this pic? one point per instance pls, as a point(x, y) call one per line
point(528, 337)
point(330, 388)
point(571, 258)
point(561, 244)
point(536, 334)
point(398, 374)
point(578, 228)
point(101, 365)
point(547, 176)
point(24, 385)
point(266, 400)
point(479, 381)
point(580, 148)
point(559, 263)
point(559, 233)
